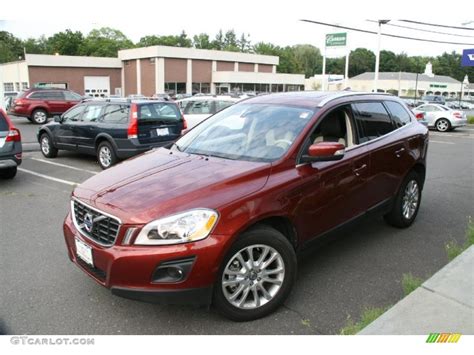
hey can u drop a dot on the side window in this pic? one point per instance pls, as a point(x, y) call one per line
point(372, 120)
point(400, 115)
point(74, 114)
point(220, 105)
point(36, 95)
point(53, 95)
point(72, 96)
point(198, 108)
point(116, 114)
point(92, 113)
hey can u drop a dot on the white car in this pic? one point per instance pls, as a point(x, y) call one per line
point(197, 108)
point(442, 117)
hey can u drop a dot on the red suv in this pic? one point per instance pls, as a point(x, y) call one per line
point(39, 104)
point(220, 216)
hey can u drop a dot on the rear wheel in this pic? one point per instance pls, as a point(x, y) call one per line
point(8, 173)
point(39, 116)
point(443, 125)
point(47, 147)
point(106, 155)
point(256, 275)
point(407, 202)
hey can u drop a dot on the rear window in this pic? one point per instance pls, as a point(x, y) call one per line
point(159, 111)
point(3, 123)
point(373, 120)
point(400, 116)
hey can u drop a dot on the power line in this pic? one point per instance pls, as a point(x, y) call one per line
point(436, 25)
point(423, 30)
point(386, 34)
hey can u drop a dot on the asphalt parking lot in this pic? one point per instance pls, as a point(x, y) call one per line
point(44, 293)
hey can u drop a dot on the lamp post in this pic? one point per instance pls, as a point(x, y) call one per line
point(416, 87)
point(377, 55)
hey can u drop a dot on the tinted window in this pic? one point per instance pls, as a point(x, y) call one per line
point(73, 114)
point(72, 96)
point(198, 108)
point(160, 111)
point(399, 114)
point(47, 95)
point(92, 113)
point(372, 120)
point(3, 123)
point(116, 114)
point(36, 95)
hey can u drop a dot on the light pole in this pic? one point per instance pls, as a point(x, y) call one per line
point(377, 55)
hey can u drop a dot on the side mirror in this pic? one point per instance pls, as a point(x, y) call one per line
point(324, 151)
point(58, 119)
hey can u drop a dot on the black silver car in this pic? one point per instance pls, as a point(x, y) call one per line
point(112, 129)
point(10, 147)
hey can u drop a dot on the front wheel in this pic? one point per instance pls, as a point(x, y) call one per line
point(443, 125)
point(47, 147)
point(407, 202)
point(256, 276)
point(39, 116)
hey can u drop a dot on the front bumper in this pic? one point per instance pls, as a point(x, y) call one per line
point(127, 270)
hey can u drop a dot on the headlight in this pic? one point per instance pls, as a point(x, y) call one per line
point(183, 227)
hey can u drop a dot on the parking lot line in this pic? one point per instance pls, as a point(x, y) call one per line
point(64, 165)
point(71, 183)
point(432, 141)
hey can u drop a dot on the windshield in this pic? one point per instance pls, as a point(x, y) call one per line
point(253, 132)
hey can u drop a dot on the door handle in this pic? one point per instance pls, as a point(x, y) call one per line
point(359, 169)
point(399, 152)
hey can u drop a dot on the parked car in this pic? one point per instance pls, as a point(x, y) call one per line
point(112, 129)
point(197, 108)
point(220, 216)
point(453, 105)
point(10, 147)
point(433, 99)
point(39, 104)
point(442, 117)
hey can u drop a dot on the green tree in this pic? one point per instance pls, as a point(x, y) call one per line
point(388, 61)
point(65, 43)
point(230, 41)
point(361, 60)
point(174, 41)
point(36, 45)
point(244, 43)
point(202, 41)
point(11, 48)
point(218, 42)
point(309, 59)
point(105, 42)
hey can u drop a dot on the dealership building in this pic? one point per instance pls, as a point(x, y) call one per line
point(150, 70)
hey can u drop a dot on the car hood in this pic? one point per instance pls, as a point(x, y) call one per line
point(160, 183)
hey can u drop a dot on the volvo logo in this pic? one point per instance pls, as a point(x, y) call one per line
point(88, 222)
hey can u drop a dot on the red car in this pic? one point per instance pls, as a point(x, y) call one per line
point(220, 216)
point(39, 104)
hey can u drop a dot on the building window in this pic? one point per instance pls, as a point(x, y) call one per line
point(24, 86)
point(277, 87)
point(175, 88)
point(201, 88)
point(17, 86)
point(8, 87)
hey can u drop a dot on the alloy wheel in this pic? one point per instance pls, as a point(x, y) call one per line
point(39, 117)
point(442, 125)
point(45, 145)
point(253, 276)
point(410, 199)
point(105, 156)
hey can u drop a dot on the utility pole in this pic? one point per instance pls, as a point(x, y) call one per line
point(377, 54)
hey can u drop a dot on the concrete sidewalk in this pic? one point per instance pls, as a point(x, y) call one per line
point(443, 304)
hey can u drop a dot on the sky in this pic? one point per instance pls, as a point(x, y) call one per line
point(277, 22)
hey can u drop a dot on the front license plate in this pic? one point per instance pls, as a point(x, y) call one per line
point(162, 132)
point(84, 252)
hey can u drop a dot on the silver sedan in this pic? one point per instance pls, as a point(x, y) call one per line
point(442, 117)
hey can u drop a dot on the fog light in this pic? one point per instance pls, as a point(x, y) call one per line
point(173, 271)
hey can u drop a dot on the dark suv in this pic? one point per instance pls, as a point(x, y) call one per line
point(10, 147)
point(220, 216)
point(39, 104)
point(112, 129)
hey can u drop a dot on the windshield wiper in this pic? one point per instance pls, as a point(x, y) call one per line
point(177, 147)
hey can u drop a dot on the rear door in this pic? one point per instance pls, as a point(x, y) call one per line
point(114, 122)
point(55, 101)
point(158, 122)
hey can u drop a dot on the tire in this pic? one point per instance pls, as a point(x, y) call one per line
point(252, 282)
point(9, 173)
point(106, 155)
point(47, 147)
point(443, 125)
point(407, 202)
point(39, 116)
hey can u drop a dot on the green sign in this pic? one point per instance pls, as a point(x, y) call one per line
point(336, 39)
point(440, 86)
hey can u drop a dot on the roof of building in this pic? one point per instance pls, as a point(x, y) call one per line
point(406, 76)
point(46, 60)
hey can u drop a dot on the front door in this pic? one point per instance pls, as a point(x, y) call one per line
point(64, 135)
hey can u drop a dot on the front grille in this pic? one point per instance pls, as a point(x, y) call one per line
point(104, 227)
point(96, 272)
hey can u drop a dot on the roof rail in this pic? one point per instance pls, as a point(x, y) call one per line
point(340, 94)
